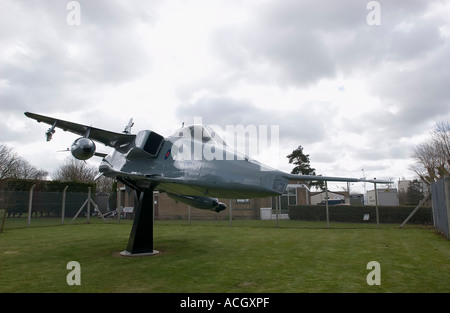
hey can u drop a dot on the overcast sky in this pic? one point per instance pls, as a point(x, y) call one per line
point(357, 83)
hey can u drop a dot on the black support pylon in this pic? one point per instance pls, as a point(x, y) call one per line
point(140, 242)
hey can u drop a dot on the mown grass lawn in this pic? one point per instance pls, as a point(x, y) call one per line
point(213, 257)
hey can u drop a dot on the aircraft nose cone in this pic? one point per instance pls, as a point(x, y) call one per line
point(220, 207)
point(83, 148)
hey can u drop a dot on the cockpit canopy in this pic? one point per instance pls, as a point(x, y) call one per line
point(200, 133)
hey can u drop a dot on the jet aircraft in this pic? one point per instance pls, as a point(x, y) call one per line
point(177, 165)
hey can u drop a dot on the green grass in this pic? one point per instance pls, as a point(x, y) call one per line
point(250, 256)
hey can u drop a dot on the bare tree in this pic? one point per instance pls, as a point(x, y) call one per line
point(25, 170)
point(75, 170)
point(104, 184)
point(12, 166)
point(8, 162)
point(441, 138)
point(433, 156)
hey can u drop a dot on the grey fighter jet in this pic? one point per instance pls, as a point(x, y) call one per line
point(193, 165)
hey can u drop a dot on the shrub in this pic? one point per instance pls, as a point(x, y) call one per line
point(355, 213)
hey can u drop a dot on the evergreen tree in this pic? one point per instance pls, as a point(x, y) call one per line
point(415, 193)
point(303, 167)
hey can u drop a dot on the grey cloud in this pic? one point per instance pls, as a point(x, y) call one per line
point(300, 125)
point(389, 149)
point(273, 53)
point(50, 64)
point(420, 93)
point(311, 15)
point(422, 38)
point(294, 58)
point(297, 43)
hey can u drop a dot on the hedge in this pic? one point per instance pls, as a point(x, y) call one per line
point(47, 185)
point(355, 213)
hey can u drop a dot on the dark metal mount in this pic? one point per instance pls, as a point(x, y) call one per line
point(140, 242)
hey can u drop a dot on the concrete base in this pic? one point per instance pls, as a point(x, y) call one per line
point(128, 254)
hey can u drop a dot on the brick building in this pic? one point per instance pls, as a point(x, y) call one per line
point(168, 208)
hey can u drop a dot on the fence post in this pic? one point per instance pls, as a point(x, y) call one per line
point(189, 215)
point(89, 205)
point(63, 209)
point(119, 200)
point(376, 204)
point(30, 204)
point(326, 204)
point(278, 208)
point(231, 212)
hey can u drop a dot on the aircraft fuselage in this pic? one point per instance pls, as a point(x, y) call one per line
point(188, 166)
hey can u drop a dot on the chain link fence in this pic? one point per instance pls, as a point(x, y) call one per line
point(37, 208)
point(441, 205)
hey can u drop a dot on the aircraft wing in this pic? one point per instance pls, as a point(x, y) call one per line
point(331, 178)
point(108, 138)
